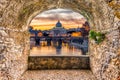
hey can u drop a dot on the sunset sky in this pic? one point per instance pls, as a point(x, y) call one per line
point(47, 19)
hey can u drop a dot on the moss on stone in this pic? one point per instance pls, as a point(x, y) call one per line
point(97, 36)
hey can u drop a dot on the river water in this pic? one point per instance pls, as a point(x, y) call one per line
point(54, 49)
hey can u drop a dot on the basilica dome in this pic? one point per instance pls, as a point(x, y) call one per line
point(58, 24)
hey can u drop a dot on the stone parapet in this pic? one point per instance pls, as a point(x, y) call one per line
point(58, 62)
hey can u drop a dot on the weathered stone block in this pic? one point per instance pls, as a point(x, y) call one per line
point(58, 62)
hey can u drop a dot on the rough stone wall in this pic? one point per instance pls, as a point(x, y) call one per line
point(105, 58)
point(13, 55)
point(15, 15)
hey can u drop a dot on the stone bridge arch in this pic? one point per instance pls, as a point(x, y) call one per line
point(15, 17)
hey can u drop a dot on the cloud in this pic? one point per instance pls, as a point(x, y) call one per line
point(54, 11)
point(60, 14)
point(66, 16)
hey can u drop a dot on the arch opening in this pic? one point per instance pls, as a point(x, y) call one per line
point(61, 27)
point(59, 32)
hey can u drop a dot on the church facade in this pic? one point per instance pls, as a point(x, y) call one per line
point(58, 30)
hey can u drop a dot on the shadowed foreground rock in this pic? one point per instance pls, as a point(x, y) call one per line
point(58, 75)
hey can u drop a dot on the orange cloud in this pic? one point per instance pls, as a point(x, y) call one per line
point(48, 19)
point(46, 23)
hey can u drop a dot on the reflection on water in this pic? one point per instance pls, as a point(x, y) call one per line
point(54, 49)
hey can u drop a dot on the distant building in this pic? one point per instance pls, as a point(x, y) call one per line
point(58, 30)
point(33, 32)
point(76, 34)
point(40, 34)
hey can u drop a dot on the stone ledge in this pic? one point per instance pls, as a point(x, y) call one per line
point(58, 62)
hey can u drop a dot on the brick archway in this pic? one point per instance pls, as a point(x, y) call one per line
point(16, 15)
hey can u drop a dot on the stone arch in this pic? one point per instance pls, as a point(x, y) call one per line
point(87, 16)
point(16, 15)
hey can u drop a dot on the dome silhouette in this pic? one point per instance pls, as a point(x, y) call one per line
point(58, 24)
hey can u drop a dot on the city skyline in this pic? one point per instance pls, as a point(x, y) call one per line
point(47, 19)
